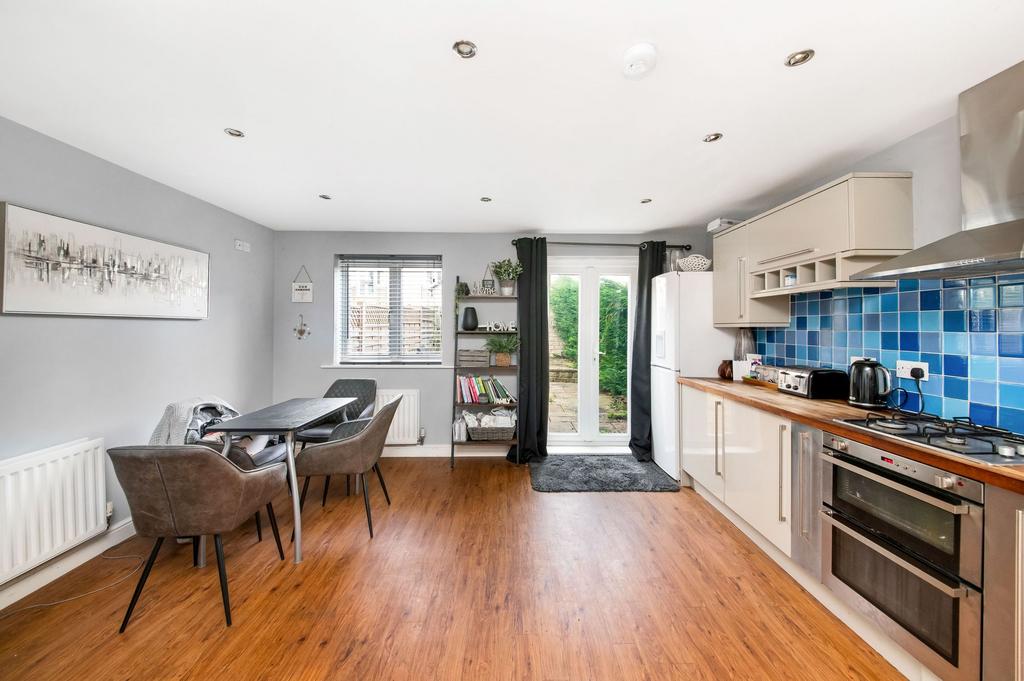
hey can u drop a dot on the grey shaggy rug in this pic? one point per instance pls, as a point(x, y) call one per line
point(598, 473)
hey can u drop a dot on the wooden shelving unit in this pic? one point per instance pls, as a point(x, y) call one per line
point(461, 370)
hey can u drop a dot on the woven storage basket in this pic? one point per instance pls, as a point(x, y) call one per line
point(505, 433)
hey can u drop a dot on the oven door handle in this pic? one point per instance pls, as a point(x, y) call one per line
point(955, 509)
point(952, 592)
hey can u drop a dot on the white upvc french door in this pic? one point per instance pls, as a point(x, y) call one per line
point(591, 309)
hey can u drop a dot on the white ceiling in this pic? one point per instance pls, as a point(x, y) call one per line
point(367, 102)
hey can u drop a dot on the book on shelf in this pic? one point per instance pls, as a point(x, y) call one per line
point(470, 389)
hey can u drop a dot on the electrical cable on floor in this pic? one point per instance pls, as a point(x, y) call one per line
point(141, 559)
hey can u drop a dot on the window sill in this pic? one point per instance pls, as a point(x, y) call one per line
point(408, 365)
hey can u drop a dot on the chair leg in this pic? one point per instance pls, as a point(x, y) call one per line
point(380, 476)
point(219, 544)
point(142, 583)
point(195, 551)
point(327, 481)
point(259, 527)
point(302, 497)
point(361, 478)
point(273, 527)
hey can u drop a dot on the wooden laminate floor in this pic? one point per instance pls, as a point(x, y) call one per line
point(471, 575)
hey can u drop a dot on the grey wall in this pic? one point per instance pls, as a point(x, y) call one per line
point(298, 364)
point(72, 377)
point(932, 155)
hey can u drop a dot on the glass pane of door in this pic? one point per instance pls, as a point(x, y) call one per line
point(613, 353)
point(563, 353)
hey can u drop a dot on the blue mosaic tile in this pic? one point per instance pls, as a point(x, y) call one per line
point(983, 392)
point(931, 342)
point(1011, 395)
point(1011, 419)
point(931, 300)
point(983, 368)
point(955, 388)
point(890, 302)
point(983, 344)
point(954, 365)
point(954, 283)
point(909, 285)
point(909, 321)
point(983, 321)
point(872, 304)
point(909, 301)
point(931, 320)
point(955, 343)
point(954, 299)
point(934, 362)
point(984, 414)
point(1011, 370)
point(1011, 319)
point(952, 408)
point(983, 297)
point(954, 320)
point(981, 281)
point(890, 340)
point(910, 340)
point(1011, 345)
point(1011, 295)
point(890, 321)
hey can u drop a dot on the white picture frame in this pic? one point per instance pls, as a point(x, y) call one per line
point(56, 266)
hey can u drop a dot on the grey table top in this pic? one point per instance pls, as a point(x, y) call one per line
point(288, 416)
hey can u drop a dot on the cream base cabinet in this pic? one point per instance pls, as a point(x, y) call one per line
point(757, 469)
point(700, 423)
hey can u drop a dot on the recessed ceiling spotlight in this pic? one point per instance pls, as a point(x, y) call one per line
point(639, 60)
point(713, 137)
point(325, 197)
point(465, 49)
point(799, 58)
point(645, 200)
point(485, 199)
point(234, 132)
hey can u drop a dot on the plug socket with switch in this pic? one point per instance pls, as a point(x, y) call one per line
point(907, 369)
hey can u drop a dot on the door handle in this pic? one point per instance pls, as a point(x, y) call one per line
point(802, 481)
point(718, 471)
point(786, 255)
point(739, 286)
point(782, 435)
point(952, 592)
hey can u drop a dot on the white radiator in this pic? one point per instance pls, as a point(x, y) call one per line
point(50, 501)
point(405, 429)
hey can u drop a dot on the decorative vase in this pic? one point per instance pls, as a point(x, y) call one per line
point(502, 359)
point(507, 287)
point(469, 319)
point(725, 369)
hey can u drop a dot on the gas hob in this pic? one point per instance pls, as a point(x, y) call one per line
point(959, 436)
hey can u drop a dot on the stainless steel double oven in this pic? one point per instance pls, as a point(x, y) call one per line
point(901, 542)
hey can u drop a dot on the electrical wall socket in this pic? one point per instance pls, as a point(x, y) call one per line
point(903, 368)
point(243, 246)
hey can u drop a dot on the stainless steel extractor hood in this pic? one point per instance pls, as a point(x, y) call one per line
point(991, 191)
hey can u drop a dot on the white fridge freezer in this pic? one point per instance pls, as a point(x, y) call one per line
point(684, 342)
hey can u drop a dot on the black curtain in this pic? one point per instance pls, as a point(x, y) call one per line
point(533, 351)
point(652, 263)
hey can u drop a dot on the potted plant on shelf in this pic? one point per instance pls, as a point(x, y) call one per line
point(507, 271)
point(503, 348)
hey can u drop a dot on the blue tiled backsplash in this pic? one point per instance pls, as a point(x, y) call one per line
point(970, 332)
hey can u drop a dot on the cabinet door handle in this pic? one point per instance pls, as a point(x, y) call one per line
point(739, 286)
point(786, 255)
point(782, 435)
point(804, 489)
point(718, 471)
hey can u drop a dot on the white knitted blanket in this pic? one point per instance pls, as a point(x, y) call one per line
point(174, 422)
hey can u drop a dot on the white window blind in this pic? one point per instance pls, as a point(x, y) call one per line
point(387, 309)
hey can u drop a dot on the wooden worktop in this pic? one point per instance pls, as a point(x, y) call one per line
point(822, 414)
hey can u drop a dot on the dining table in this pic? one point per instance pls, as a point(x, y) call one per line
point(285, 420)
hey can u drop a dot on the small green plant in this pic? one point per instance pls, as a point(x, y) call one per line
point(504, 344)
point(506, 270)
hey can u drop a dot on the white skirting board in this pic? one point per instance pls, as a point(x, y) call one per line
point(66, 562)
point(904, 662)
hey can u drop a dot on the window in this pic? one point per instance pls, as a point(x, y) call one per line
point(387, 309)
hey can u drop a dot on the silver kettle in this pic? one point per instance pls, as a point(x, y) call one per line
point(870, 384)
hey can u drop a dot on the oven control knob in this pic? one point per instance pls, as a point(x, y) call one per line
point(944, 482)
point(840, 445)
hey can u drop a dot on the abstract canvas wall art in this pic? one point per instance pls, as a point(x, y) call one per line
point(56, 266)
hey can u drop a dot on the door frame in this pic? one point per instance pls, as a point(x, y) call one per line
point(589, 270)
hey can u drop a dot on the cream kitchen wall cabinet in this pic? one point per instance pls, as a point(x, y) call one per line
point(812, 243)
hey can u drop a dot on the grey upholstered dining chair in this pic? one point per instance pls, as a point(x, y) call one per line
point(356, 454)
point(357, 415)
point(191, 491)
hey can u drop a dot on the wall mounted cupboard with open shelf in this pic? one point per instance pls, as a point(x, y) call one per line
point(815, 242)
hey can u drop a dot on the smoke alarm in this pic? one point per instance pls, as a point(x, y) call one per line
point(639, 60)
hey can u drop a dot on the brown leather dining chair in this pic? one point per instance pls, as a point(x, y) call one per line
point(191, 491)
point(354, 455)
